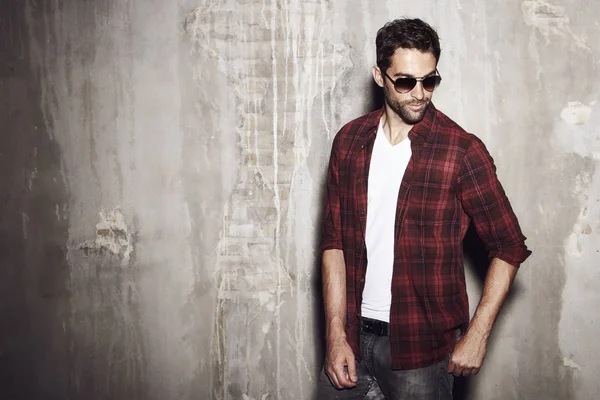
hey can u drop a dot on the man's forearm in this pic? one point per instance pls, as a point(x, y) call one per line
point(334, 293)
point(470, 350)
point(495, 289)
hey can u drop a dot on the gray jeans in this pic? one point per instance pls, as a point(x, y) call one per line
point(377, 380)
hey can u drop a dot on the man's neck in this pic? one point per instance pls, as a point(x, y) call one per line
point(394, 128)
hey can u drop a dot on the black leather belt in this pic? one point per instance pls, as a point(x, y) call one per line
point(374, 326)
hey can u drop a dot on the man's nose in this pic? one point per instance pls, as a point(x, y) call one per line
point(417, 92)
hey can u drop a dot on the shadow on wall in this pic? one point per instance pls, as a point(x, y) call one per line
point(317, 286)
point(377, 98)
point(476, 260)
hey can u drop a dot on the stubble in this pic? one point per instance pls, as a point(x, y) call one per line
point(401, 108)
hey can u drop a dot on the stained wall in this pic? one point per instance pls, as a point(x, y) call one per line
point(162, 178)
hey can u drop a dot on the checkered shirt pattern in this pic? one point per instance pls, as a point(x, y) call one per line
point(449, 183)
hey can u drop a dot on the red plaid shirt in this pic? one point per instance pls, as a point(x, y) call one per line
point(449, 182)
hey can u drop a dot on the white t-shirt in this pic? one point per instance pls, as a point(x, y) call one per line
point(388, 164)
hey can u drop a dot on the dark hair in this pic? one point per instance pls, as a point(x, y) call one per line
point(407, 34)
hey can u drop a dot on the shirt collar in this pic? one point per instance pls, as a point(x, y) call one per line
point(425, 128)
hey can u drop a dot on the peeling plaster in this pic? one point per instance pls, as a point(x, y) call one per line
point(576, 113)
point(112, 234)
point(573, 245)
point(578, 133)
point(550, 19)
point(582, 182)
point(281, 71)
point(570, 363)
point(266, 327)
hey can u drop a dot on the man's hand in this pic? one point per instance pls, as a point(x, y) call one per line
point(469, 352)
point(339, 357)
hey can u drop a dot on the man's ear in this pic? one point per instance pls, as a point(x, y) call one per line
point(377, 76)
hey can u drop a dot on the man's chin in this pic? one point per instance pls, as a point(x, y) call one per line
point(412, 118)
point(407, 115)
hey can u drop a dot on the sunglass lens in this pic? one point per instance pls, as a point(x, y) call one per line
point(405, 85)
point(431, 82)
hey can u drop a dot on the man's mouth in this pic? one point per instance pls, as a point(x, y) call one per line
point(416, 106)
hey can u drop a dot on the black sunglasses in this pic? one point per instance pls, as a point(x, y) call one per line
point(405, 85)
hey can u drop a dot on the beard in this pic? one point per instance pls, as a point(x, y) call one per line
point(401, 108)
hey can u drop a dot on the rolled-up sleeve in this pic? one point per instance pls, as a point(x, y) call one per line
point(485, 202)
point(331, 236)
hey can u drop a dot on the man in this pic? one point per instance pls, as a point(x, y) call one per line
point(404, 183)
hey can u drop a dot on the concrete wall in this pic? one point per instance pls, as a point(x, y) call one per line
point(162, 167)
